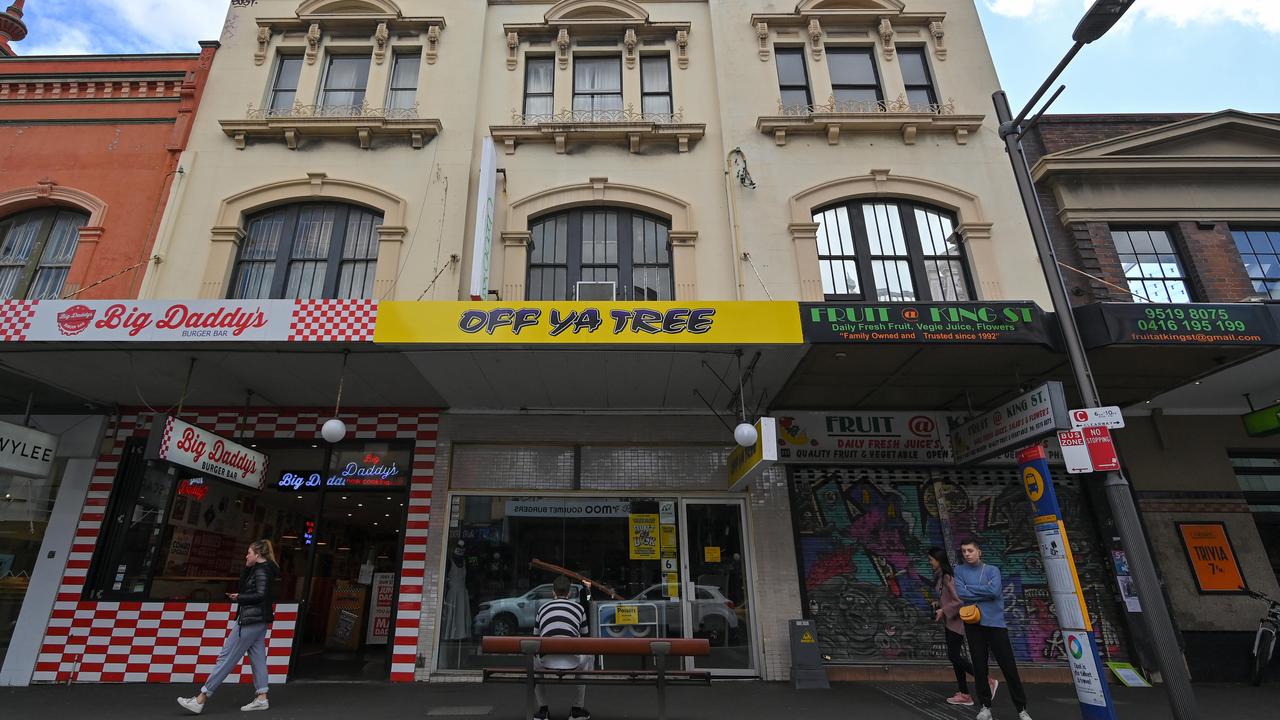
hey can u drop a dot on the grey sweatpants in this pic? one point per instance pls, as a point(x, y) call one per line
point(564, 662)
point(251, 639)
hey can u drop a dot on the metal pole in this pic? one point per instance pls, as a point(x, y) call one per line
point(1155, 613)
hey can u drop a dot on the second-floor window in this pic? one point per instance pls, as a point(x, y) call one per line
point(284, 90)
point(36, 250)
point(853, 75)
point(597, 84)
point(345, 81)
point(539, 86)
point(617, 245)
point(1151, 265)
point(308, 250)
point(890, 251)
point(793, 78)
point(655, 85)
point(916, 77)
point(403, 93)
point(1260, 250)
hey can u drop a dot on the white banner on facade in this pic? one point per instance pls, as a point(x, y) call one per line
point(482, 239)
point(1015, 424)
point(184, 444)
point(26, 452)
point(337, 320)
point(162, 320)
point(872, 438)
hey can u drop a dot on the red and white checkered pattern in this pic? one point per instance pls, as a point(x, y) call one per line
point(152, 642)
point(90, 641)
point(15, 319)
point(333, 321)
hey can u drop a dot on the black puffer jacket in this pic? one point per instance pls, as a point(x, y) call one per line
point(257, 594)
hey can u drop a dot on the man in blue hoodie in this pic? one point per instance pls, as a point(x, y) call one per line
point(979, 584)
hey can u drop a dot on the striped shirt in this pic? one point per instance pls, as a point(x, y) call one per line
point(562, 618)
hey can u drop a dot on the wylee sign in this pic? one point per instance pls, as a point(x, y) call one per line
point(26, 452)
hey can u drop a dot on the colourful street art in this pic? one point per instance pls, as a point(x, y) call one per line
point(863, 538)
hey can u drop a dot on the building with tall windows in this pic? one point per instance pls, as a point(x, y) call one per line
point(538, 259)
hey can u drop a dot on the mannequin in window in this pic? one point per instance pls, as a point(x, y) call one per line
point(456, 624)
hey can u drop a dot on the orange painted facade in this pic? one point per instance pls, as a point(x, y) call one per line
point(101, 134)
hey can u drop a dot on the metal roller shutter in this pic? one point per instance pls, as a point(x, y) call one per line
point(862, 536)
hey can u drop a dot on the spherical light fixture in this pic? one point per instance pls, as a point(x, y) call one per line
point(333, 430)
point(745, 434)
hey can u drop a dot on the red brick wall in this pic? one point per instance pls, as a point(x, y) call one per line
point(1211, 261)
point(61, 122)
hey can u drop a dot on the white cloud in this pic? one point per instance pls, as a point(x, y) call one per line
point(175, 25)
point(1261, 13)
point(1018, 8)
point(1264, 13)
point(61, 39)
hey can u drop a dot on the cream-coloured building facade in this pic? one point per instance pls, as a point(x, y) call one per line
point(417, 164)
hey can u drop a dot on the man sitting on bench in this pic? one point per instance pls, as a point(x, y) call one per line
point(562, 617)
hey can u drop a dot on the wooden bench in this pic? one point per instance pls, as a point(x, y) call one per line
point(658, 649)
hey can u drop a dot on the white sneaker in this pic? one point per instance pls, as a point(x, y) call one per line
point(257, 704)
point(984, 714)
point(191, 705)
point(1024, 715)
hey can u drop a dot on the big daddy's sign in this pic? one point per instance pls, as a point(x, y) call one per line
point(160, 320)
point(188, 446)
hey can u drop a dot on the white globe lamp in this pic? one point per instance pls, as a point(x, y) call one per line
point(333, 430)
point(745, 434)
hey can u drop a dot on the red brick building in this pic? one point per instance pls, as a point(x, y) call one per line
point(1180, 216)
point(89, 148)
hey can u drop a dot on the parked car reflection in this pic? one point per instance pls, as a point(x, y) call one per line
point(516, 615)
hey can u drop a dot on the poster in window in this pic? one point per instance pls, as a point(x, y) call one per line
point(1213, 560)
point(644, 536)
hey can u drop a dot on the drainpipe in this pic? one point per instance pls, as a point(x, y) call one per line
point(733, 221)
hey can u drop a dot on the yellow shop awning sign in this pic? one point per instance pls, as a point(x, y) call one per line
point(658, 323)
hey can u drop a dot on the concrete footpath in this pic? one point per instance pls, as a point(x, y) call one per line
point(727, 699)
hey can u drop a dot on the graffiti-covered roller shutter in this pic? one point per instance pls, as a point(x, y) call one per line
point(863, 534)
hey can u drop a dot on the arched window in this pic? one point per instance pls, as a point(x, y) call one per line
point(308, 250)
point(890, 251)
point(629, 249)
point(36, 249)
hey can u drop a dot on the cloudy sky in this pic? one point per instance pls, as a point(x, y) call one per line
point(1166, 56)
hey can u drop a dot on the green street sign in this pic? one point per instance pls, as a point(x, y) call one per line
point(1262, 422)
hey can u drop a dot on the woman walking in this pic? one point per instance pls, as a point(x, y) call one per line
point(948, 613)
point(249, 632)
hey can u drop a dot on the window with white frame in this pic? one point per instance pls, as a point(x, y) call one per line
point(1151, 265)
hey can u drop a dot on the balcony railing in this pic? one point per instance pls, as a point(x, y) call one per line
point(333, 112)
point(596, 117)
point(867, 107)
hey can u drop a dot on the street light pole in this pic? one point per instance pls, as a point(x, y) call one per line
point(1173, 669)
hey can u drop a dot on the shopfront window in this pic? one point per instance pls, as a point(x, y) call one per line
point(335, 515)
point(493, 586)
point(25, 507)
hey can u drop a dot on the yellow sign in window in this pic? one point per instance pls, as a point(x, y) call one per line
point(711, 554)
point(626, 615)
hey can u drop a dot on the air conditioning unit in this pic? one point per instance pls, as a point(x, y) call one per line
point(597, 290)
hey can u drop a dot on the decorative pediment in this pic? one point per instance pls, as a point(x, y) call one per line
point(348, 7)
point(893, 6)
point(1226, 134)
point(1223, 166)
point(590, 12)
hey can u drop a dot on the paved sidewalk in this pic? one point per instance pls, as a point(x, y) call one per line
point(732, 700)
